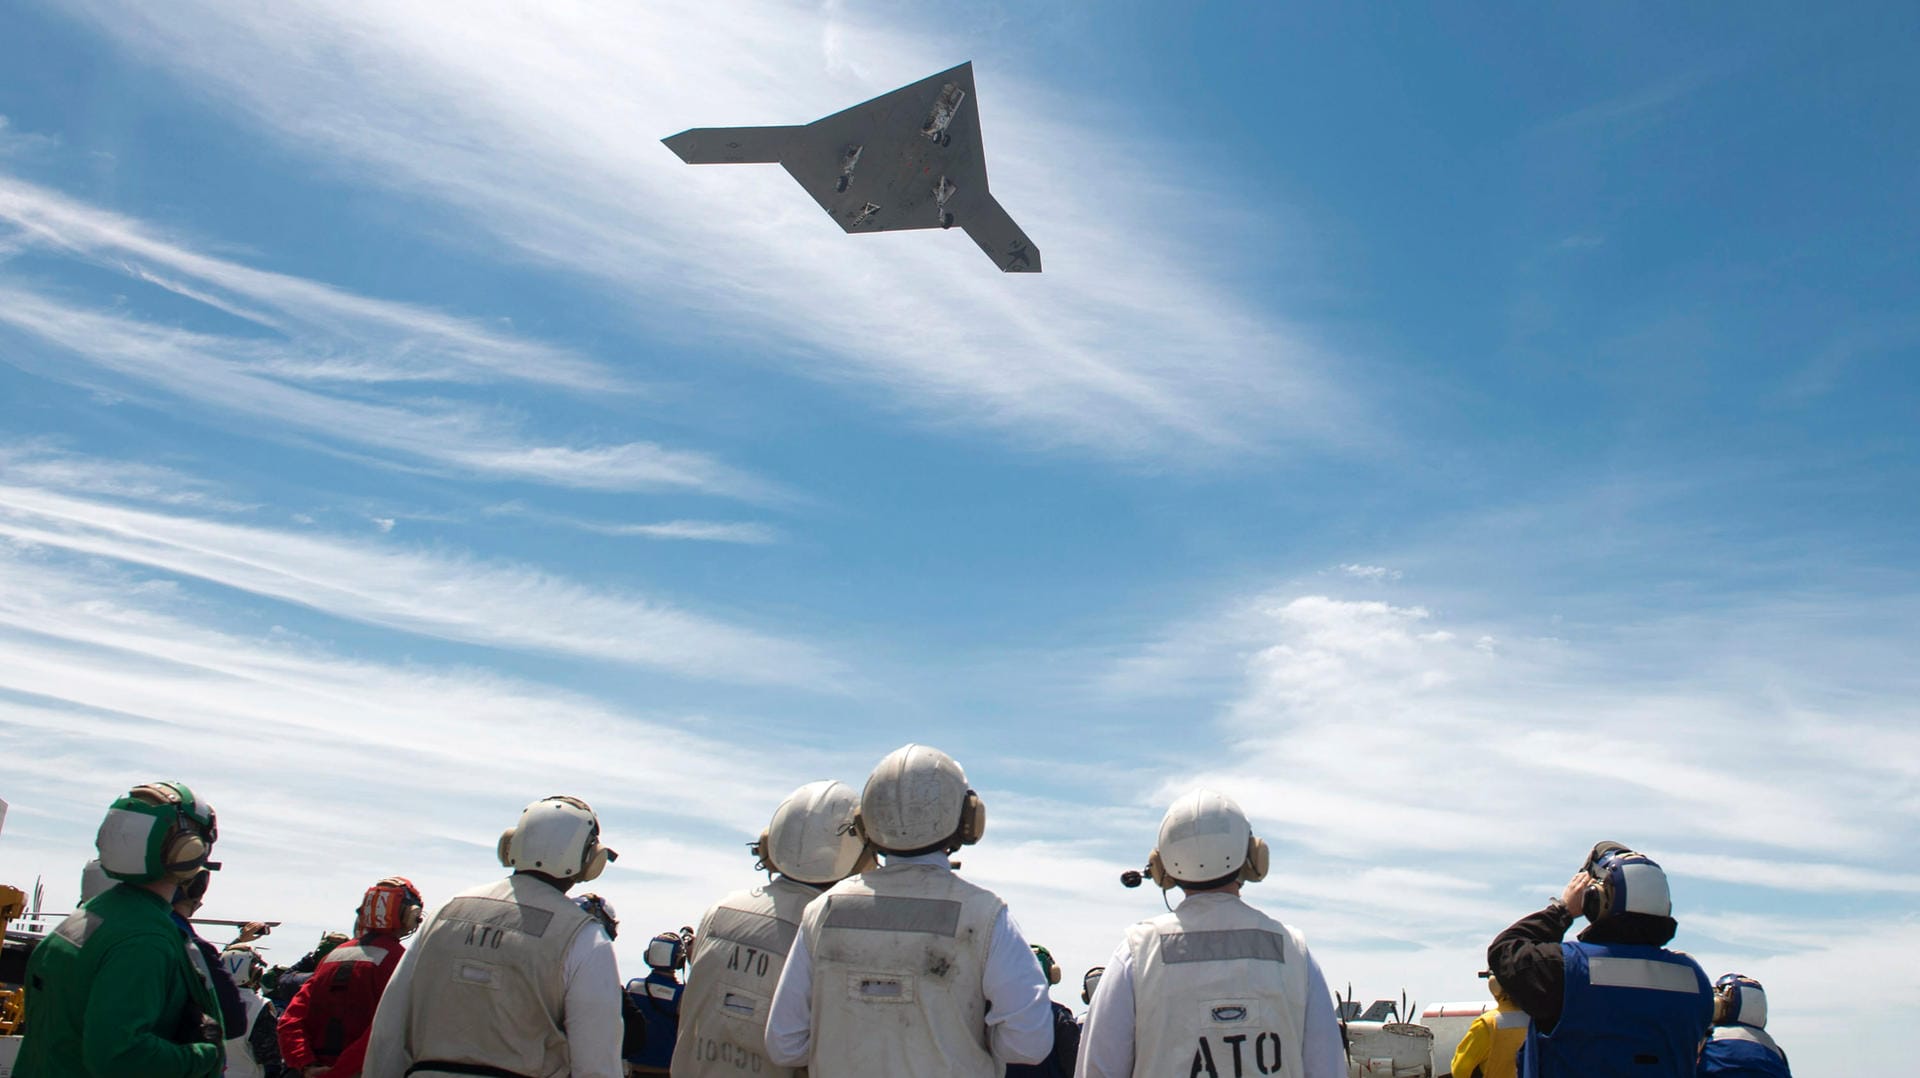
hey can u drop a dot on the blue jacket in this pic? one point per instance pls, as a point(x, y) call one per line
point(1629, 1010)
point(1742, 1052)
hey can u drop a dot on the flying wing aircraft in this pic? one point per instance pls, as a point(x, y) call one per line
point(907, 159)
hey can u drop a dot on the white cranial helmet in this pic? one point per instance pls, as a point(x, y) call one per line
point(1206, 839)
point(559, 837)
point(812, 837)
point(917, 801)
point(244, 965)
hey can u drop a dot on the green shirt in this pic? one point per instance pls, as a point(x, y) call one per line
point(114, 992)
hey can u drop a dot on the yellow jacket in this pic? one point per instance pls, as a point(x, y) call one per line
point(1492, 1044)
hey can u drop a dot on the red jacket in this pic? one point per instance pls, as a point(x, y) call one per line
point(328, 1019)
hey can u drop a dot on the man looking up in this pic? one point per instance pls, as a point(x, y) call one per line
point(1615, 1002)
point(1215, 987)
point(741, 946)
point(908, 970)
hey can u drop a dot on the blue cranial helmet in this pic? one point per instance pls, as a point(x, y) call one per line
point(1626, 882)
point(1739, 1000)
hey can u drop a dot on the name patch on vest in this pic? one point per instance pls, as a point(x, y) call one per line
point(737, 1004)
point(1608, 972)
point(1222, 946)
point(880, 987)
point(488, 918)
point(478, 974)
point(890, 913)
point(756, 930)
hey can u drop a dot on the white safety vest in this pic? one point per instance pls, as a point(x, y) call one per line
point(240, 1061)
point(489, 980)
point(737, 958)
point(1219, 990)
point(897, 956)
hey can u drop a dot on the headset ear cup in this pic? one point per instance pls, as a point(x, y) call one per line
point(184, 854)
point(973, 819)
point(506, 848)
point(1157, 872)
point(596, 864)
point(1053, 973)
point(1258, 857)
point(1590, 902)
point(760, 848)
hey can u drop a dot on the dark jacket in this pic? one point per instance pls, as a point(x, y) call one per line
point(1528, 961)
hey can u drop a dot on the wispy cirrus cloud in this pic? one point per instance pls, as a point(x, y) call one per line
point(335, 334)
point(268, 385)
point(432, 593)
point(544, 133)
point(112, 676)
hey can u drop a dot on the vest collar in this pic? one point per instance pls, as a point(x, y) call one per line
point(936, 859)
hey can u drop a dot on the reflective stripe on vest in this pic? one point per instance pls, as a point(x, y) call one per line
point(1640, 973)
point(885, 913)
point(355, 952)
point(750, 929)
point(1742, 1052)
point(1222, 946)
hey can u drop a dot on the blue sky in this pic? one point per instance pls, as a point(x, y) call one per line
point(1461, 435)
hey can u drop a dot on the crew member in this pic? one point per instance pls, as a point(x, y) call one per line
point(1616, 1002)
point(256, 1052)
point(231, 1021)
point(741, 946)
point(281, 982)
point(1491, 1048)
point(655, 1001)
point(1066, 1031)
point(1215, 987)
point(511, 978)
point(1738, 1045)
point(908, 970)
point(115, 990)
point(327, 1021)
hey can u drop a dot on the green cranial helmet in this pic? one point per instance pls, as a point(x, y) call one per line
point(156, 832)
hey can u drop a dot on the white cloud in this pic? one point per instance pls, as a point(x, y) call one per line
point(437, 594)
point(330, 772)
point(1423, 788)
point(543, 132)
point(393, 341)
point(1376, 574)
point(712, 531)
point(246, 377)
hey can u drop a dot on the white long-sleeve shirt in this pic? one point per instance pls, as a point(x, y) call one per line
point(1106, 1037)
point(1019, 1021)
point(594, 1026)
